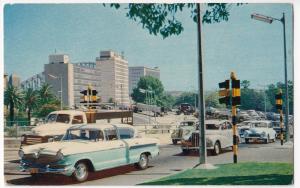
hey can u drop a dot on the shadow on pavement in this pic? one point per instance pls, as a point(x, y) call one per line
point(51, 179)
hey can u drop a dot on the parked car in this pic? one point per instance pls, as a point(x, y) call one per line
point(218, 136)
point(86, 148)
point(261, 130)
point(185, 127)
point(253, 114)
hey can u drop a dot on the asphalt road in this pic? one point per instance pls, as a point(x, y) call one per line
point(170, 161)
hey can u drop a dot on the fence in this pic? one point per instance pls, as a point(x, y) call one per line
point(18, 128)
point(155, 129)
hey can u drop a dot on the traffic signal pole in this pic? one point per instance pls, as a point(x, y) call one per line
point(235, 100)
point(278, 98)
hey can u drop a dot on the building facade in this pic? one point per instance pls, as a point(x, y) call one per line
point(5, 80)
point(114, 78)
point(35, 82)
point(135, 73)
point(85, 73)
point(14, 80)
point(59, 73)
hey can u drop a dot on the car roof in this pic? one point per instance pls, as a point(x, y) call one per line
point(214, 121)
point(100, 126)
point(258, 121)
point(71, 112)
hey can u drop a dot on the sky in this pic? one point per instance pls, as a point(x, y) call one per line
point(253, 49)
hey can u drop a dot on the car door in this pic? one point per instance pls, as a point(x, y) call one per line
point(112, 151)
point(229, 134)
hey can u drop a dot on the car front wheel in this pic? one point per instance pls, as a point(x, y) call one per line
point(143, 162)
point(217, 148)
point(81, 172)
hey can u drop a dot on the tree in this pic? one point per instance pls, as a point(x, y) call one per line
point(161, 18)
point(13, 99)
point(187, 97)
point(147, 83)
point(272, 91)
point(45, 94)
point(245, 84)
point(31, 101)
point(46, 109)
point(212, 100)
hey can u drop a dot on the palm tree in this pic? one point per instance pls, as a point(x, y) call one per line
point(45, 94)
point(31, 101)
point(12, 99)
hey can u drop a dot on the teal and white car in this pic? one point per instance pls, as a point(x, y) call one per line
point(87, 148)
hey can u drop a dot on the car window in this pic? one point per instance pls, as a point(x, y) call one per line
point(212, 127)
point(111, 134)
point(223, 126)
point(63, 118)
point(84, 135)
point(51, 118)
point(126, 133)
point(77, 119)
point(229, 125)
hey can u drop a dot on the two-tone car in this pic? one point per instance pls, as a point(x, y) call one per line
point(258, 131)
point(218, 136)
point(87, 148)
point(185, 127)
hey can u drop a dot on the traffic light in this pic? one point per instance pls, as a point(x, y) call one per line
point(278, 98)
point(236, 92)
point(84, 97)
point(224, 93)
point(94, 95)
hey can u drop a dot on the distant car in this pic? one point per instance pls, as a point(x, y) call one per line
point(243, 116)
point(261, 130)
point(218, 136)
point(185, 127)
point(86, 148)
point(253, 114)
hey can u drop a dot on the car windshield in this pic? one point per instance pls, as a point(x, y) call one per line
point(260, 125)
point(51, 118)
point(212, 127)
point(82, 134)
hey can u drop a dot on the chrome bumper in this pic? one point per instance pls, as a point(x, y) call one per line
point(68, 170)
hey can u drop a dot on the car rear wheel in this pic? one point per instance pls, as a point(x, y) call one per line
point(185, 151)
point(247, 140)
point(81, 172)
point(143, 162)
point(174, 141)
point(217, 148)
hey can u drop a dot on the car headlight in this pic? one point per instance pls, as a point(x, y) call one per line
point(21, 153)
point(59, 155)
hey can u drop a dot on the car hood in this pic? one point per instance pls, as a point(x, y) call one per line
point(50, 129)
point(212, 132)
point(257, 130)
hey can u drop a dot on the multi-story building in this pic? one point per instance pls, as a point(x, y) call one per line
point(5, 80)
point(114, 78)
point(108, 75)
point(59, 73)
point(85, 73)
point(135, 73)
point(35, 82)
point(14, 80)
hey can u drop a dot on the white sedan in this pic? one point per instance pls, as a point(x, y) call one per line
point(260, 131)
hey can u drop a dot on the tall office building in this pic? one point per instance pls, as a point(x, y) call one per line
point(14, 80)
point(35, 81)
point(135, 73)
point(5, 80)
point(60, 75)
point(114, 77)
point(85, 73)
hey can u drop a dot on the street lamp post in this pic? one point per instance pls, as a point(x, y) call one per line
point(58, 77)
point(269, 20)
